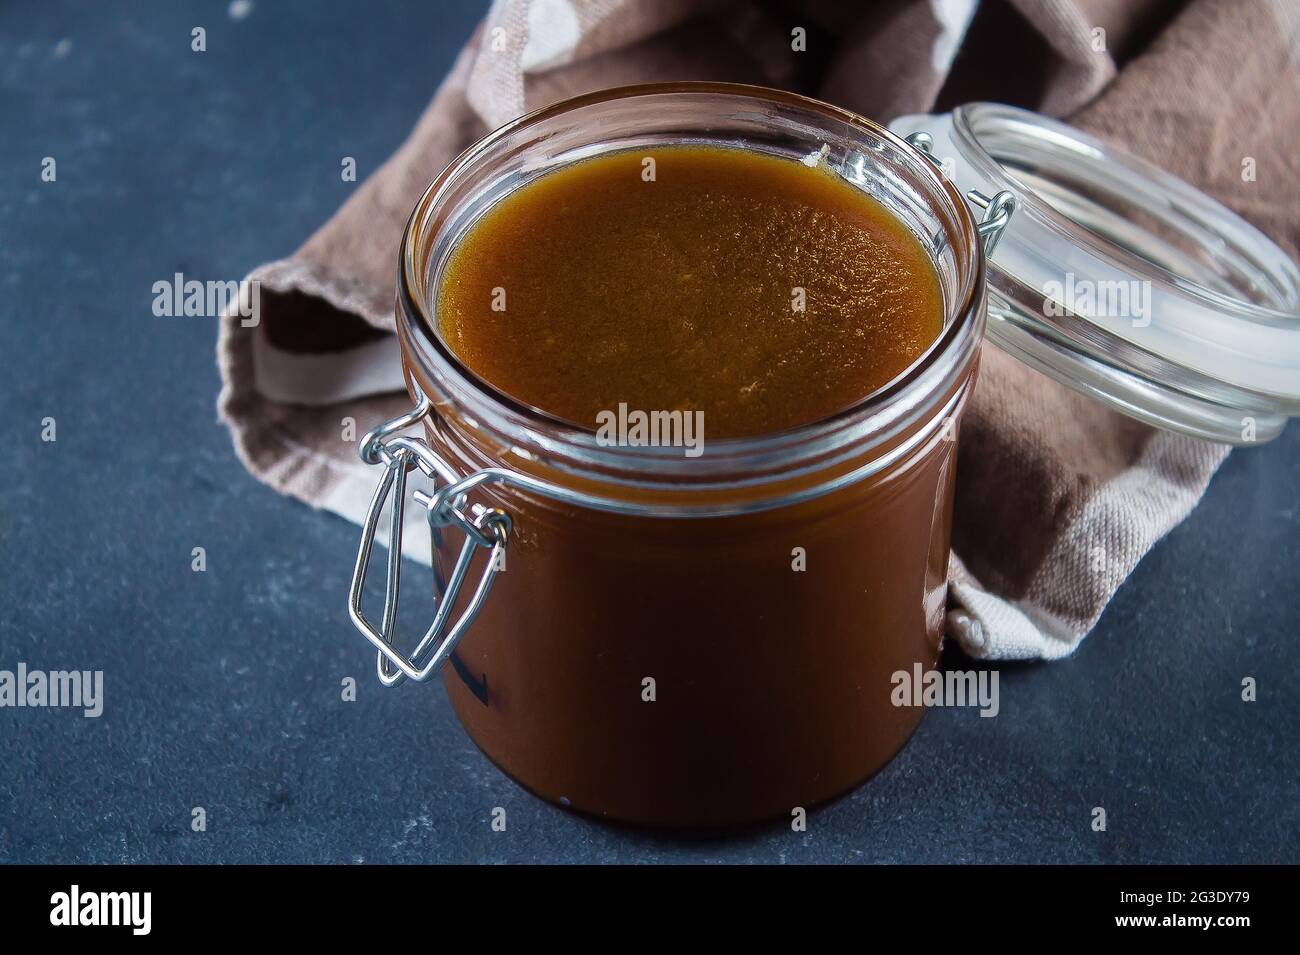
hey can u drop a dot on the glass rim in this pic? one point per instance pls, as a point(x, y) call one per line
point(970, 118)
point(418, 328)
point(1217, 356)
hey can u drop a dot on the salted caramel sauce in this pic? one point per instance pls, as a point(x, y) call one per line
point(764, 292)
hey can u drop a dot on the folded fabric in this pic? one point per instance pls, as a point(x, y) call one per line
point(1058, 498)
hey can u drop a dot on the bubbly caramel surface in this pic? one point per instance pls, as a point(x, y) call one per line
point(761, 291)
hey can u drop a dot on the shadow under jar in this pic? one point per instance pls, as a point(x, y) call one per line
point(623, 565)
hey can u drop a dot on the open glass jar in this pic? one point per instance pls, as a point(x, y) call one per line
point(640, 638)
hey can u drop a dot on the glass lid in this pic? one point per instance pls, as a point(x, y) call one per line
point(1124, 282)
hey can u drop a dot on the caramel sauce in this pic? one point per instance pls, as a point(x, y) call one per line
point(773, 682)
point(761, 291)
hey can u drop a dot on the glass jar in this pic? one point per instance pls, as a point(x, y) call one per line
point(674, 640)
point(665, 639)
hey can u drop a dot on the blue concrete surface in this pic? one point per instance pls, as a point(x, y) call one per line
point(222, 688)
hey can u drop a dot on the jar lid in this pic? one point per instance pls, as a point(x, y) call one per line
point(1124, 282)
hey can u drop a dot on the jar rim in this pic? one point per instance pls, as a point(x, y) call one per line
point(1125, 283)
point(768, 456)
point(1277, 286)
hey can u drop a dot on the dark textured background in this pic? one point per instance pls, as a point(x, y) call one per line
point(223, 688)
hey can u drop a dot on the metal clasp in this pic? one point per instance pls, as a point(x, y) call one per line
point(997, 211)
point(487, 528)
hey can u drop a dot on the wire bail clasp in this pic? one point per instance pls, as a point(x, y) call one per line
point(487, 528)
point(997, 211)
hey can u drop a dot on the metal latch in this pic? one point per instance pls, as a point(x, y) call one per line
point(486, 528)
point(997, 211)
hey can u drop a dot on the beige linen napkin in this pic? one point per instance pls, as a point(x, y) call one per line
point(1058, 498)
